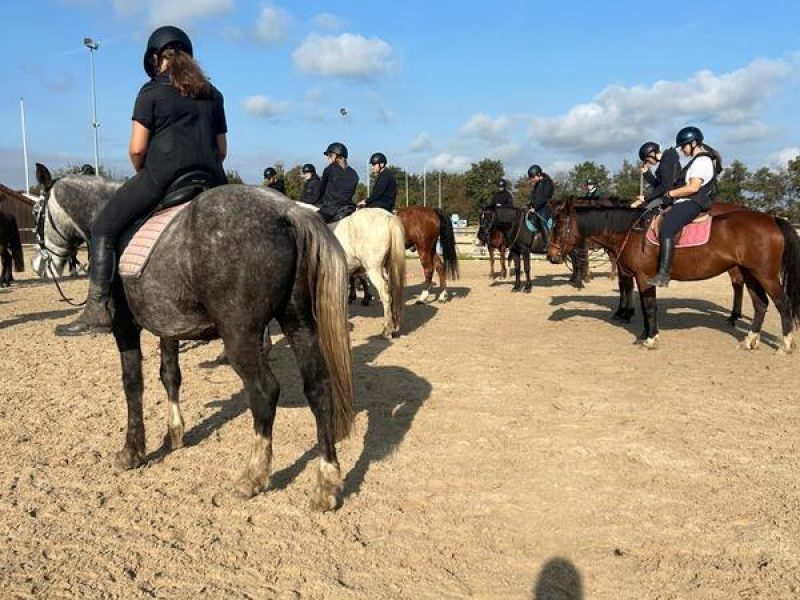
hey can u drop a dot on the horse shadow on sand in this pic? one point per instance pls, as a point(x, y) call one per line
point(390, 396)
point(559, 579)
point(674, 314)
point(37, 316)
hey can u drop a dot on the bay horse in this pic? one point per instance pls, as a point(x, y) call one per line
point(10, 249)
point(520, 240)
point(765, 249)
point(235, 258)
point(423, 227)
point(497, 243)
point(374, 245)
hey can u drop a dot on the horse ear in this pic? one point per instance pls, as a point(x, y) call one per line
point(43, 176)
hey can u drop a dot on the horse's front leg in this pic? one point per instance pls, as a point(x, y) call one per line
point(170, 374)
point(625, 311)
point(527, 265)
point(647, 295)
point(517, 285)
point(491, 262)
point(133, 452)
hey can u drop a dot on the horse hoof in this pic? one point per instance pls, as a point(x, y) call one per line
point(527, 289)
point(443, 297)
point(245, 488)
point(127, 459)
point(751, 342)
point(732, 320)
point(173, 439)
point(387, 334)
point(650, 343)
point(516, 288)
point(321, 501)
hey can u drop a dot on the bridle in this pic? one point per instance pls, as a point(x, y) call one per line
point(567, 233)
point(41, 212)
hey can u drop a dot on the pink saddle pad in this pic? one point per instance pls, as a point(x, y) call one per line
point(695, 233)
point(138, 251)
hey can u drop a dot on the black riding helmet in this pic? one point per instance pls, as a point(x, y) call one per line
point(309, 168)
point(647, 149)
point(502, 183)
point(534, 170)
point(591, 181)
point(87, 169)
point(378, 158)
point(688, 135)
point(269, 172)
point(168, 36)
point(336, 148)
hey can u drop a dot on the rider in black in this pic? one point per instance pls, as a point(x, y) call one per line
point(273, 181)
point(178, 126)
point(693, 194)
point(87, 169)
point(665, 176)
point(338, 186)
point(502, 197)
point(311, 187)
point(541, 193)
point(384, 192)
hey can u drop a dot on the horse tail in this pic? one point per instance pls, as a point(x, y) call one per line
point(15, 244)
point(396, 267)
point(790, 267)
point(322, 269)
point(448, 239)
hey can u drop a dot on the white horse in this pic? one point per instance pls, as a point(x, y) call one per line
point(374, 244)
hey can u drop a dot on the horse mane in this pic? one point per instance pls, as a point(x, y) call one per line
point(600, 217)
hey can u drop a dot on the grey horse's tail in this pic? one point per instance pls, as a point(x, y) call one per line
point(321, 260)
point(396, 268)
point(15, 244)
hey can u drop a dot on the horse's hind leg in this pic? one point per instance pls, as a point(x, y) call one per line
point(170, 374)
point(438, 264)
point(378, 279)
point(305, 345)
point(426, 259)
point(760, 303)
point(772, 286)
point(737, 282)
point(248, 356)
point(127, 336)
point(367, 298)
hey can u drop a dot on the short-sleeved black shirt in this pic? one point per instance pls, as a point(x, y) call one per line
point(183, 130)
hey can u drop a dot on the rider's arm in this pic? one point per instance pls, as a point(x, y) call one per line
point(222, 146)
point(690, 189)
point(137, 148)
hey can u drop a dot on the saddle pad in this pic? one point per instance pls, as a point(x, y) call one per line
point(137, 252)
point(694, 234)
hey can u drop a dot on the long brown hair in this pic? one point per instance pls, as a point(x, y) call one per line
point(184, 73)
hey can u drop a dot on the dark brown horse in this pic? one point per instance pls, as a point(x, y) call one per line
point(497, 243)
point(424, 227)
point(10, 248)
point(765, 249)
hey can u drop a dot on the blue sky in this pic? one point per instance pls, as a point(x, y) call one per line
point(440, 84)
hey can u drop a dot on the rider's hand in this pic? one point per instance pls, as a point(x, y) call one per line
point(361, 204)
point(643, 168)
point(667, 200)
point(638, 202)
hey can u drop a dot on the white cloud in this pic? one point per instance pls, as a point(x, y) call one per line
point(780, 159)
point(486, 128)
point(619, 117)
point(262, 106)
point(272, 25)
point(329, 22)
point(445, 161)
point(421, 143)
point(347, 55)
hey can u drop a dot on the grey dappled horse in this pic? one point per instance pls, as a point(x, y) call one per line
point(236, 258)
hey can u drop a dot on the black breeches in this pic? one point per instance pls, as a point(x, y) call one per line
point(133, 200)
point(676, 217)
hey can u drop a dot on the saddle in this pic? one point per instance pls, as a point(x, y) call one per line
point(138, 242)
point(693, 234)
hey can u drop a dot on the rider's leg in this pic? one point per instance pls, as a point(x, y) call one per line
point(136, 196)
point(676, 217)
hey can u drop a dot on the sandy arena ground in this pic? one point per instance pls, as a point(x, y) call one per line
point(506, 446)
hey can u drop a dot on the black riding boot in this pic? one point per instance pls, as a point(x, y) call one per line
point(96, 315)
point(664, 264)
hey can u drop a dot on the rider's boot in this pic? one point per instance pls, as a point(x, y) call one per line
point(96, 316)
point(662, 278)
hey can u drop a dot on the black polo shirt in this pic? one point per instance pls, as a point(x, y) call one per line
point(183, 130)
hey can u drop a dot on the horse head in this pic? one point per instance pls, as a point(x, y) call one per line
point(564, 236)
point(485, 226)
point(64, 216)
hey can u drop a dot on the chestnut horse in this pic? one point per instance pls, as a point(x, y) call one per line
point(765, 248)
point(423, 227)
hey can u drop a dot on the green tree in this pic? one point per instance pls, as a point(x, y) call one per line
point(522, 190)
point(625, 183)
point(793, 196)
point(293, 180)
point(576, 178)
point(768, 190)
point(732, 182)
point(233, 176)
point(481, 183)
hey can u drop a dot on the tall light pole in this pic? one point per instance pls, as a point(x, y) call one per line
point(92, 46)
point(24, 145)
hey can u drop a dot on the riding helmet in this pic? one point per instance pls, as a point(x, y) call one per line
point(688, 135)
point(336, 148)
point(379, 158)
point(591, 181)
point(534, 170)
point(502, 183)
point(168, 36)
point(647, 149)
point(87, 169)
point(269, 172)
point(309, 168)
